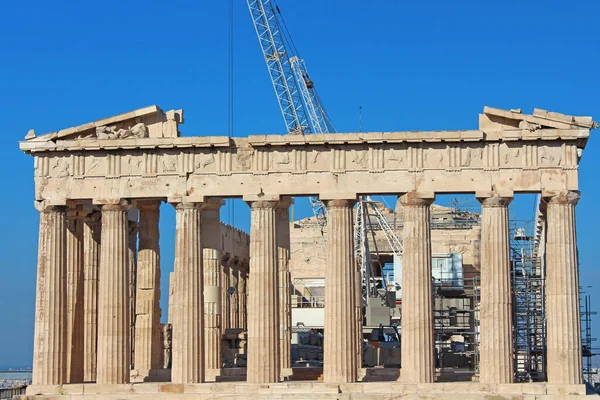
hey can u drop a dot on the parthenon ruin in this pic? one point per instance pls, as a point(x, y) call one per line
point(98, 188)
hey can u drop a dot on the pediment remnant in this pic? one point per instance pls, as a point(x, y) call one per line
point(496, 119)
point(147, 122)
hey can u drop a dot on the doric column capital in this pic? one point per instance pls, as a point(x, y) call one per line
point(415, 198)
point(93, 217)
point(147, 205)
point(213, 203)
point(340, 203)
point(116, 205)
point(186, 206)
point(570, 197)
point(75, 210)
point(263, 204)
point(45, 207)
point(494, 200)
point(286, 202)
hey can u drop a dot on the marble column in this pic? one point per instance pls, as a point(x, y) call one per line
point(91, 261)
point(263, 296)
point(234, 274)
point(243, 293)
point(340, 362)
point(148, 345)
point(417, 297)
point(114, 347)
point(188, 318)
point(285, 310)
point(563, 322)
point(211, 258)
point(49, 347)
point(495, 344)
point(225, 297)
point(132, 226)
point(75, 295)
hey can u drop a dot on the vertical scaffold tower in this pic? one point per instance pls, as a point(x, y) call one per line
point(529, 321)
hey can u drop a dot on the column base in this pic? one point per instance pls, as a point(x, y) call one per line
point(153, 375)
point(313, 390)
point(286, 374)
point(212, 374)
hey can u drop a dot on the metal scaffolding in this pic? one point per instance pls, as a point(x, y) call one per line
point(590, 374)
point(529, 322)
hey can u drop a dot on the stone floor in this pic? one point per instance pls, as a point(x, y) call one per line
point(308, 390)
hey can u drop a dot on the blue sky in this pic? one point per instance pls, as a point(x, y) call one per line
point(410, 65)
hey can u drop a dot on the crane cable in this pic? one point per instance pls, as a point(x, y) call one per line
point(230, 113)
point(230, 73)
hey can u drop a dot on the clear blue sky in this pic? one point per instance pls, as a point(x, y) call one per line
point(411, 65)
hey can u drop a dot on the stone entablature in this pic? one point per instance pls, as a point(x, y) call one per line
point(138, 158)
point(542, 158)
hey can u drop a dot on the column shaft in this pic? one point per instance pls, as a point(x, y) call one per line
point(114, 347)
point(496, 346)
point(211, 254)
point(225, 297)
point(91, 261)
point(243, 294)
point(49, 347)
point(234, 319)
point(285, 311)
point(75, 296)
point(148, 344)
point(263, 299)
point(417, 298)
point(132, 226)
point(562, 291)
point(188, 319)
point(340, 362)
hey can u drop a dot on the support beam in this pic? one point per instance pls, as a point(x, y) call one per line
point(50, 334)
point(243, 293)
point(285, 310)
point(188, 317)
point(417, 297)
point(148, 345)
point(91, 243)
point(263, 299)
point(340, 362)
point(496, 345)
point(562, 291)
point(114, 347)
point(75, 294)
point(211, 254)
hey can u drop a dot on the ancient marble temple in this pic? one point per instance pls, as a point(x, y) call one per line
point(98, 188)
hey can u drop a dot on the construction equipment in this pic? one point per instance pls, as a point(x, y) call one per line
point(302, 110)
point(368, 218)
point(304, 113)
point(300, 105)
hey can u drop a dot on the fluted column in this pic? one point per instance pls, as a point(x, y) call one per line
point(188, 318)
point(243, 293)
point(49, 347)
point(263, 296)
point(563, 322)
point(496, 346)
point(417, 301)
point(211, 254)
point(148, 345)
point(285, 311)
point(234, 274)
point(132, 226)
point(91, 261)
point(75, 287)
point(340, 362)
point(225, 297)
point(114, 347)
